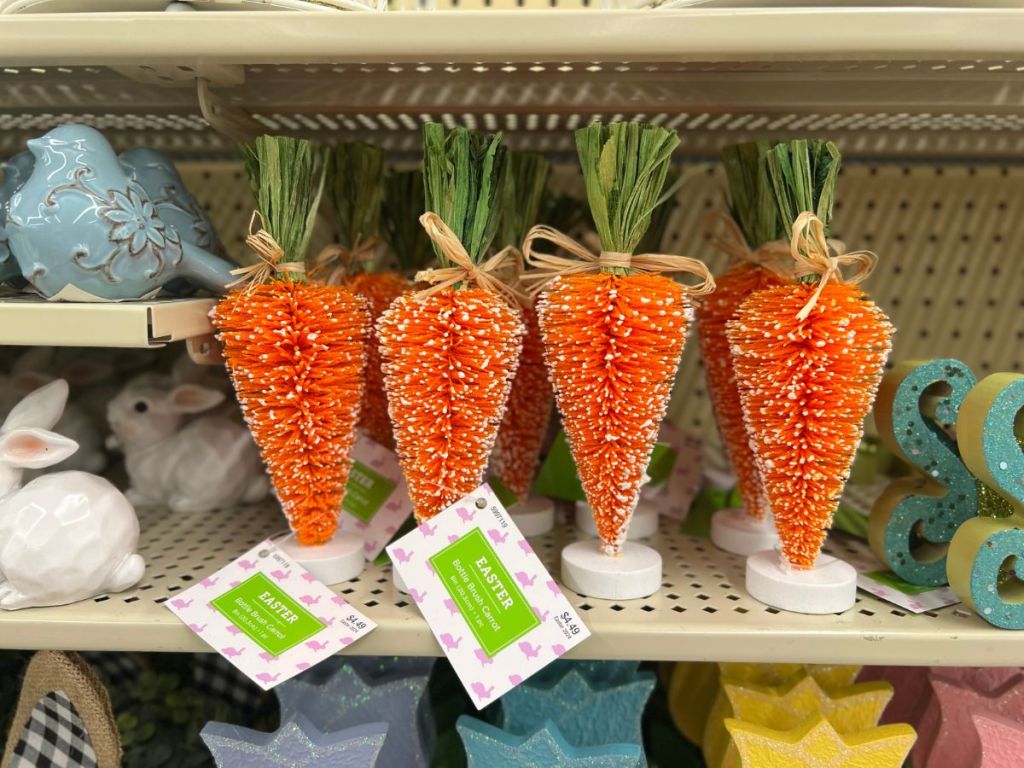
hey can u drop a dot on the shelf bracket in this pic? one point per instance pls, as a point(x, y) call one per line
point(229, 121)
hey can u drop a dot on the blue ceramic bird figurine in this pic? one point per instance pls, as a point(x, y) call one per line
point(15, 171)
point(175, 205)
point(80, 222)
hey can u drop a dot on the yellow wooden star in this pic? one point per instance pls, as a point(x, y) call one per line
point(776, 681)
point(691, 691)
point(815, 744)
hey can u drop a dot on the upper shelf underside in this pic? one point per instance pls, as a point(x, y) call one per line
point(884, 82)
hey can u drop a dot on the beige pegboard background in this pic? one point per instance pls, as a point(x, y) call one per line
point(948, 238)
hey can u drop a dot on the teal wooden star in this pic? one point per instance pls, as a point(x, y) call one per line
point(334, 696)
point(544, 747)
point(594, 671)
point(587, 714)
point(296, 744)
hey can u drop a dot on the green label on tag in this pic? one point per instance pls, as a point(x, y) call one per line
point(558, 479)
point(267, 614)
point(484, 592)
point(891, 580)
point(366, 492)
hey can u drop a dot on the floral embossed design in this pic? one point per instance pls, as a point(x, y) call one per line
point(136, 230)
point(134, 223)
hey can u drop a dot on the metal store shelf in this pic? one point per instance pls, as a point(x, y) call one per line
point(895, 82)
point(701, 612)
point(28, 320)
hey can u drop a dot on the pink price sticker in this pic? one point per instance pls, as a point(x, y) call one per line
point(268, 616)
point(376, 501)
point(493, 607)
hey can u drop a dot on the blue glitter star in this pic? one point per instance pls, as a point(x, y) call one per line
point(335, 696)
point(296, 744)
point(490, 747)
point(594, 671)
point(588, 714)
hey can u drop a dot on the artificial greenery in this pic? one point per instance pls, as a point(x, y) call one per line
point(403, 205)
point(357, 190)
point(287, 177)
point(563, 212)
point(526, 179)
point(803, 175)
point(751, 198)
point(624, 169)
point(655, 235)
point(463, 177)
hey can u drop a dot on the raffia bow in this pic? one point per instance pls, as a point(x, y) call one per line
point(269, 253)
point(727, 237)
point(488, 275)
point(810, 249)
point(582, 260)
point(335, 261)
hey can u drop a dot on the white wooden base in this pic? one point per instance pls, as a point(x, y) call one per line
point(735, 531)
point(534, 517)
point(642, 525)
point(633, 574)
point(396, 579)
point(829, 587)
point(340, 559)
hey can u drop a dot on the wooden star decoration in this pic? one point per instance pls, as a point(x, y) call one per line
point(296, 744)
point(850, 709)
point(490, 747)
point(948, 737)
point(335, 696)
point(588, 714)
point(816, 744)
point(1001, 741)
point(692, 688)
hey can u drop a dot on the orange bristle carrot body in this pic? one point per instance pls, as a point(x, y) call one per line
point(516, 456)
point(357, 182)
point(450, 351)
point(525, 424)
point(613, 344)
point(613, 328)
point(713, 313)
point(379, 289)
point(296, 355)
point(449, 359)
point(808, 356)
point(807, 386)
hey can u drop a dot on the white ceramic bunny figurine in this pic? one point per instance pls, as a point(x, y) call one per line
point(208, 464)
point(66, 536)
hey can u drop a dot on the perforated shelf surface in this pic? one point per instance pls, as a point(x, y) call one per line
point(701, 612)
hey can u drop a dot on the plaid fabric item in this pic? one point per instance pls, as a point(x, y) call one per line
point(114, 669)
point(217, 677)
point(54, 737)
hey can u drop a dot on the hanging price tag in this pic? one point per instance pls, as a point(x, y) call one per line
point(912, 597)
point(491, 604)
point(376, 500)
point(268, 616)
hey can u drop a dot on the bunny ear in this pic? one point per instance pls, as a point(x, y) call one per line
point(40, 409)
point(191, 398)
point(85, 372)
point(26, 448)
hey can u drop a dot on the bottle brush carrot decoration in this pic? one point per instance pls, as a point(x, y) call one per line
point(295, 349)
point(357, 190)
point(808, 357)
point(613, 327)
point(403, 206)
point(749, 241)
point(525, 424)
point(450, 351)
